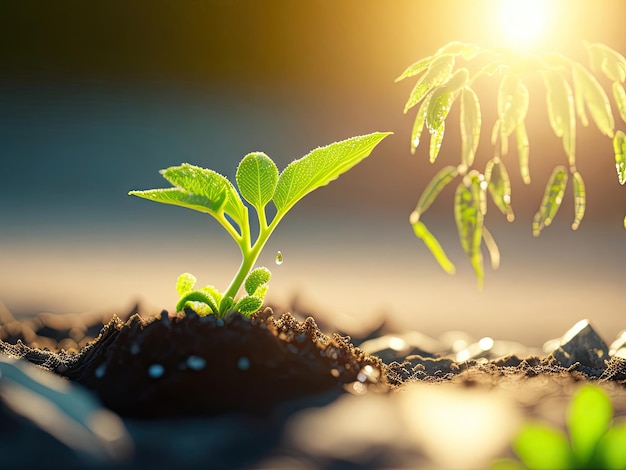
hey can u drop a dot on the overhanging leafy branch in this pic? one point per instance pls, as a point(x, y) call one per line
point(572, 92)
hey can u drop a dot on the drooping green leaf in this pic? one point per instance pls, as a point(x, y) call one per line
point(420, 120)
point(436, 137)
point(619, 94)
point(561, 111)
point(437, 73)
point(457, 81)
point(209, 184)
point(589, 416)
point(248, 304)
point(541, 447)
point(197, 296)
point(579, 96)
point(552, 198)
point(256, 177)
point(435, 186)
point(415, 68)
point(512, 103)
point(580, 199)
point(611, 62)
point(256, 279)
point(595, 98)
point(443, 97)
point(470, 125)
point(492, 248)
point(185, 283)
point(469, 220)
point(320, 167)
point(438, 108)
point(434, 246)
point(499, 185)
point(619, 147)
point(523, 151)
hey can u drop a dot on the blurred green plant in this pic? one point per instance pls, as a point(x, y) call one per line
point(259, 184)
point(595, 440)
point(572, 90)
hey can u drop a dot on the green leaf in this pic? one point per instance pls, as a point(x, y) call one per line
point(256, 279)
point(595, 98)
point(185, 283)
point(248, 304)
point(197, 296)
point(512, 103)
point(439, 104)
point(552, 198)
point(209, 184)
point(619, 94)
point(433, 245)
point(561, 111)
point(420, 119)
point(523, 151)
point(580, 199)
point(499, 186)
point(438, 108)
point(492, 248)
point(435, 186)
point(589, 415)
point(542, 447)
point(226, 305)
point(611, 451)
point(256, 177)
point(579, 96)
point(436, 137)
point(415, 68)
point(470, 125)
point(619, 147)
point(611, 62)
point(180, 197)
point(437, 73)
point(214, 293)
point(469, 218)
point(320, 167)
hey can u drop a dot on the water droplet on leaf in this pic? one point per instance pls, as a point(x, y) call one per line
point(279, 258)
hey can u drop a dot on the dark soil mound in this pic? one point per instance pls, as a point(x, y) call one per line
point(190, 365)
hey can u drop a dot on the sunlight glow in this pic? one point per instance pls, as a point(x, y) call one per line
point(523, 21)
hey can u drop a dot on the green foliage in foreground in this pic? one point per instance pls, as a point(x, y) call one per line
point(259, 184)
point(572, 93)
point(594, 440)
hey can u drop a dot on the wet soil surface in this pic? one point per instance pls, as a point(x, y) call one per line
point(275, 391)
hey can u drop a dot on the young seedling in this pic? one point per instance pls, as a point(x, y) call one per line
point(259, 184)
point(594, 442)
point(572, 91)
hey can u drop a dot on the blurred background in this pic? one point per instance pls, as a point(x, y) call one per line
point(95, 98)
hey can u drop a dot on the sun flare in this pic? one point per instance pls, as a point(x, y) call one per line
point(523, 22)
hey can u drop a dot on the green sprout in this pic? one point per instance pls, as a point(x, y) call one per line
point(259, 184)
point(572, 92)
point(594, 442)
